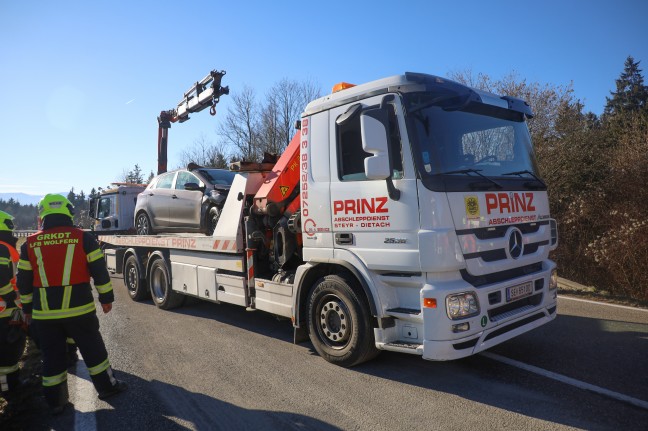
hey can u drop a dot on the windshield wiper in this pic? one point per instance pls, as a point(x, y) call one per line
point(473, 171)
point(535, 177)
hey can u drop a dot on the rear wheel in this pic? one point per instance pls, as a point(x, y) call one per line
point(143, 224)
point(160, 285)
point(133, 280)
point(339, 321)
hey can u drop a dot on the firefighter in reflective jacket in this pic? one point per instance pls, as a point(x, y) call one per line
point(12, 338)
point(54, 273)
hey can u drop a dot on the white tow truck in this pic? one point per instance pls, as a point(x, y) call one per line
point(406, 214)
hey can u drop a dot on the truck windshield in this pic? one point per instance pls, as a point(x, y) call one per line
point(462, 145)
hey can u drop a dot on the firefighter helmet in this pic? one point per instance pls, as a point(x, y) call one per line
point(55, 204)
point(6, 222)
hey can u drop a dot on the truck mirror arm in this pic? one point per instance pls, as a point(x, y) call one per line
point(394, 193)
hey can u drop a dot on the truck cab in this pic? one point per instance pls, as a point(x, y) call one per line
point(113, 209)
point(434, 200)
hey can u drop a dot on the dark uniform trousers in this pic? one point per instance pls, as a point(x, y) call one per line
point(12, 345)
point(84, 330)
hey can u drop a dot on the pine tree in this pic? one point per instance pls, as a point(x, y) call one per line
point(631, 94)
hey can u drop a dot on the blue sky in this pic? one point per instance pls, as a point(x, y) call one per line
point(82, 82)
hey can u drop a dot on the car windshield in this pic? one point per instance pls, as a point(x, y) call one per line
point(218, 177)
point(464, 138)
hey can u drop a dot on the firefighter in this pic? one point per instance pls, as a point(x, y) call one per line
point(54, 272)
point(12, 337)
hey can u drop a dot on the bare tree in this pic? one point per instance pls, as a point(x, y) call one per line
point(239, 130)
point(546, 100)
point(205, 153)
point(285, 102)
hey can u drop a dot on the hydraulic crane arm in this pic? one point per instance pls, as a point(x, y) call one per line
point(200, 96)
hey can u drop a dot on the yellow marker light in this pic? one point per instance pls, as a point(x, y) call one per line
point(429, 303)
point(341, 86)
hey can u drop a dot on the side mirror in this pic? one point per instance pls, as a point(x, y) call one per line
point(93, 206)
point(105, 224)
point(373, 126)
point(192, 187)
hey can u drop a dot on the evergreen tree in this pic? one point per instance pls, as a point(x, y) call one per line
point(134, 176)
point(631, 94)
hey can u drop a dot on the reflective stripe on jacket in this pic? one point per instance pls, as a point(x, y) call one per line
point(8, 301)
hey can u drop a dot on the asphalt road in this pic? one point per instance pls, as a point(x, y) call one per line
point(211, 367)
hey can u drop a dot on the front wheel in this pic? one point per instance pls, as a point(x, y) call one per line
point(160, 285)
point(143, 224)
point(339, 321)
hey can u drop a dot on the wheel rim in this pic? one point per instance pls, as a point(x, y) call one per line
point(131, 278)
point(142, 225)
point(334, 322)
point(159, 284)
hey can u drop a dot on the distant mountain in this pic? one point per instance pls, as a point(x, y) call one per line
point(23, 198)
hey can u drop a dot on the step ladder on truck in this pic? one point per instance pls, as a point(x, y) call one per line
point(406, 215)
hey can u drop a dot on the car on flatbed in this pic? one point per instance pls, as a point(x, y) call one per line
point(184, 200)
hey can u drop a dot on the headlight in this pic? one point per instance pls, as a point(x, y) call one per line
point(553, 280)
point(462, 305)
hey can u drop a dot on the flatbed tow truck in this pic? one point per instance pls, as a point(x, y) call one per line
point(405, 215)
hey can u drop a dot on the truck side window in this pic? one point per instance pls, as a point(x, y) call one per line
point(349, 146)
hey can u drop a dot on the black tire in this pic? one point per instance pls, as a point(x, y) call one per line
point(135, 283)
point(211, 220)
point(339, 321)
point(143, 224)
point(160, 286)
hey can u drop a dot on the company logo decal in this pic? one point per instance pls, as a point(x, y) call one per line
point(515, 243)
point(472, 207)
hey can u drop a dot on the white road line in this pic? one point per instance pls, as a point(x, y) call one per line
point(567, 380)
point(85, 398)
point(603, 303)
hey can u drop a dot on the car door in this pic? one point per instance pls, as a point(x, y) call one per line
point(159, 200)
point(185, 206)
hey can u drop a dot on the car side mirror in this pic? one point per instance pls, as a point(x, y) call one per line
point(192, 187)
point(105, 224)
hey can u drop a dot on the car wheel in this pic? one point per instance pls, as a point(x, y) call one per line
point(212, 220)
point(143, 224)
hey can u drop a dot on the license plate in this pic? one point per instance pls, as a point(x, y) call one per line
point(519, 291)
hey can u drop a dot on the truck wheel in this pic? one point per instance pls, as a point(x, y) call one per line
point(143, 224)
point(160, 285)
point(339, 321)
point(133, 280)
point(211, 220)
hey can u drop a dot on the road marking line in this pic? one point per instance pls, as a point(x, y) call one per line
point(568, 380)
point(85, 418)
point(603, 303)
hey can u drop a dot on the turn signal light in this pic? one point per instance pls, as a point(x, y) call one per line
point(341, 86)
point(429, 303)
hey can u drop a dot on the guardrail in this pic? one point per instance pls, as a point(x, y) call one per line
point(24, 233)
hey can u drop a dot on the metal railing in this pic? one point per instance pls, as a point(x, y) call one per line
point(24, 233)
